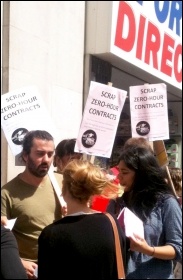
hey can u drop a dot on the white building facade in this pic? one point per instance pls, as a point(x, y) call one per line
point(61, 46)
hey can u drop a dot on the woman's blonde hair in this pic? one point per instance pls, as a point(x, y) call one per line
point(83, 180)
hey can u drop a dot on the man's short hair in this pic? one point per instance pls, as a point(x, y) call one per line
point(30, 136)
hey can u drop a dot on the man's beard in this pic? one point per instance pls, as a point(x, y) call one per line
point(37, 171)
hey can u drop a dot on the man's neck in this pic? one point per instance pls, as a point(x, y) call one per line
point(31, 179)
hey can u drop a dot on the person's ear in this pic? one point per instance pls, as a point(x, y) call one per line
point(24, 156)
point(58, 163)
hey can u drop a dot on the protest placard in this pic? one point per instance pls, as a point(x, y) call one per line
point(23, 110)
point(149, 113)
point(100, 120)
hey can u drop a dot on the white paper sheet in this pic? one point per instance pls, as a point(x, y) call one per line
point(130, 223)
point(10, 223)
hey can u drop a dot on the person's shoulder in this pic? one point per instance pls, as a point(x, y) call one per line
point(169, 198)
point(170, 202)
point(11, 183)
point(59, 177)
point(52, 228)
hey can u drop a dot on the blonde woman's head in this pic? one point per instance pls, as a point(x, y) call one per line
point(83, 180)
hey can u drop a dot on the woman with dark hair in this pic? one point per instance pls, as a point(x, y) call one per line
point(147, 194)
point(64, 152)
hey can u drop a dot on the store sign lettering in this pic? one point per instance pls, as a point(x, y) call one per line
point(163, 52)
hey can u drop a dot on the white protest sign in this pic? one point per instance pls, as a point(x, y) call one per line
point(149, 112)
point(100, 120)
point(23, 110)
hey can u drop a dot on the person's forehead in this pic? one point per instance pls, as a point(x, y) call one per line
point(122, 165)
point(43, 143)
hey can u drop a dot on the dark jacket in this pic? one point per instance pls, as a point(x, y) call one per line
point(11, 265)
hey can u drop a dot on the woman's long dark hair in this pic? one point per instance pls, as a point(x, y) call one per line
point(149, 186)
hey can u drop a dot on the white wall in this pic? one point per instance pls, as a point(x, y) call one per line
point(46, 49)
